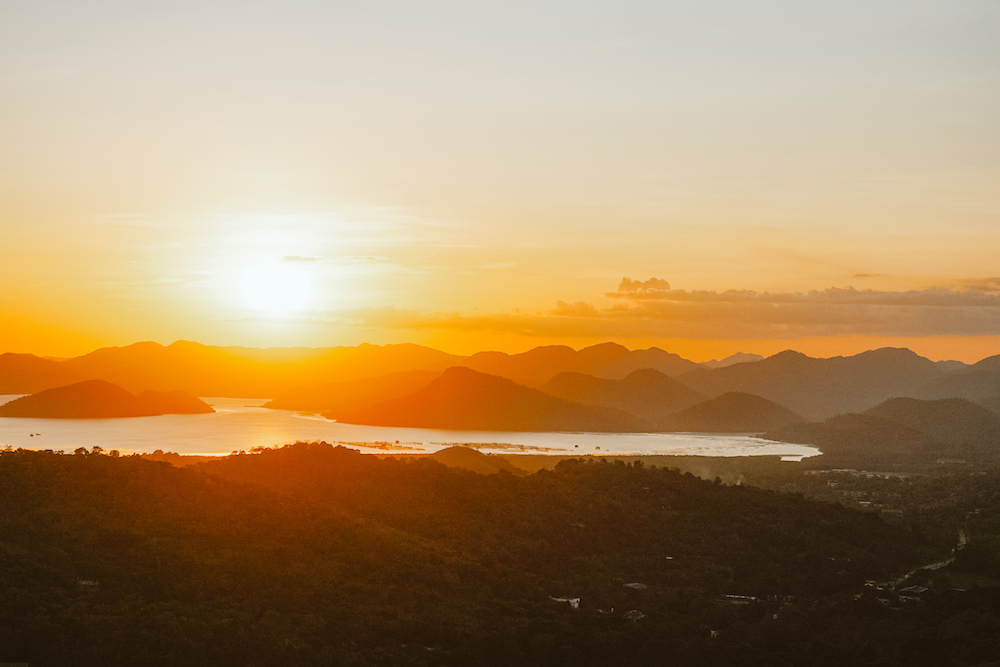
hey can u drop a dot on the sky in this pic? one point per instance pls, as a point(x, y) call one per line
point(708, 177)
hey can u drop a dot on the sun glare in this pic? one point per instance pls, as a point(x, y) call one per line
point(276, 287)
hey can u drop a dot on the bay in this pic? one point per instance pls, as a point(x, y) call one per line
point(240, 424)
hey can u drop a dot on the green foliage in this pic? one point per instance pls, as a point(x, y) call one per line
point(315, 555)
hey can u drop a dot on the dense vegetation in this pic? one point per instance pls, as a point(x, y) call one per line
point(315, 555)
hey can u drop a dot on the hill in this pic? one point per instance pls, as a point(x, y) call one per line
point(313, 555)
point(171, 403)
point(464, 399)
point(647, 393)
point(28, 374)
point(469, 459)
point(861, 441)
point(97, 399)
point(956, 423)
point(733, 412)
point(821, 388)
point(902, 434)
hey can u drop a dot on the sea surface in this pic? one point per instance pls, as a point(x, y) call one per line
point(240, 424)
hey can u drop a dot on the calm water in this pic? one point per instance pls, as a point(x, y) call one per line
point(238, 424)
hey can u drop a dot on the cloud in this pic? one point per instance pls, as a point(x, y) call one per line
point(578, 309)
point(650, 310)
point(635, 288)
point(983, 285)
point(979, 293)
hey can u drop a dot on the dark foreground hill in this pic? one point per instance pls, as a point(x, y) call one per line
point(474, 461)
point(314, 555)
point(97, 399)
point(733, 412)
point(903, 434)
point(463, 399)
point(647, 393)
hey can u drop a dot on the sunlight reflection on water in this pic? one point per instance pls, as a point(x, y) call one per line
point(240, 424)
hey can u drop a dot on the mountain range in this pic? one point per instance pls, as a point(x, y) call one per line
point(647, 393)
point(242, 372)
point(822, 388)
point(888, 401)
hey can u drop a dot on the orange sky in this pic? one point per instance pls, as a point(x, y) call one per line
point(484, 176)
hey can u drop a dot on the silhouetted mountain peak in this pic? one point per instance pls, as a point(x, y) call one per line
point(788, 357)
point(892, 354)
point(470, 459)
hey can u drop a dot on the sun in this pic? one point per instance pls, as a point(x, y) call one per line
point(276, 287)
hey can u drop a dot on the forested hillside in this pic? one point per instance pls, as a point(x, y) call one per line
point(315, 555)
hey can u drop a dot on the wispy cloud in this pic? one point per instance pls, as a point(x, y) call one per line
point(983, 285)
point(651, 309)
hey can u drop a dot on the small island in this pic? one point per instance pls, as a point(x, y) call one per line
point(97, 399)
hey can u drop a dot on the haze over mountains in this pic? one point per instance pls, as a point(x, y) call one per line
point(27, 374)
point(978, 382)
point(246, 372)
point(821, 388)
point(607, 360)
point(265, 373)
point(338, 399)
point(604, 388)
point(647, 393)
point(464, 399)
